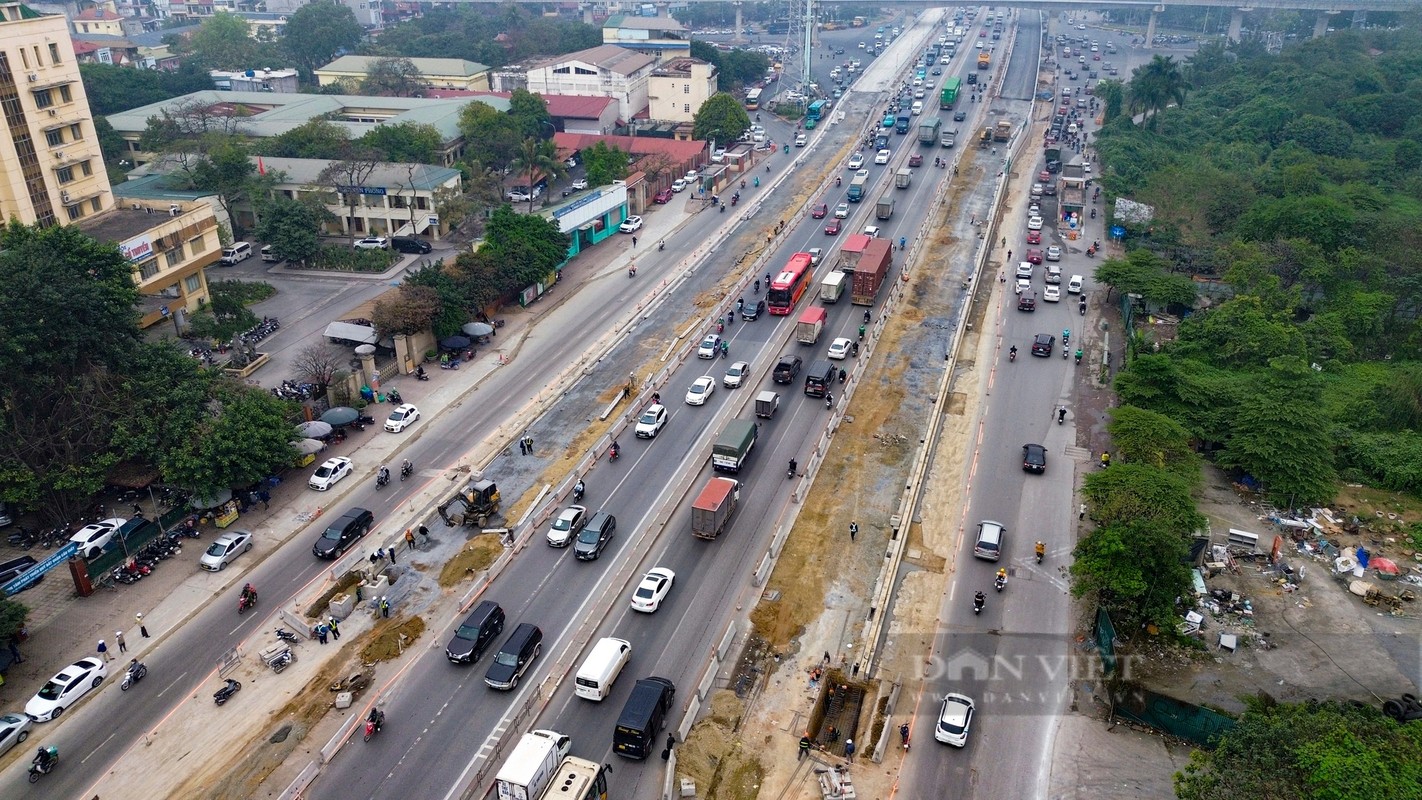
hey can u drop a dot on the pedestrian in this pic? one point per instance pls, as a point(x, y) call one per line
point(266, 498)
point(335, 627)
point(104, 651)
point(849, 749)
point(142, 629)
point(385, 607)
point(528, 440)
point(137, 510)
point(15, 650)
point(827, 657)
point(1081, 511)
point(634, 241)
point(805, 744)
point(522, 448)
point(118, 639)
point(390, 554)
point(424, 534)
point(410, 538)
point(374, 557)
point(321, 632)
point(853, 530)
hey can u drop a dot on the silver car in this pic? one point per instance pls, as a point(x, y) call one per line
point(224, 549)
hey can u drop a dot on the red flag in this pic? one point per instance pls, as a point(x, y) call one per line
point(261, 168)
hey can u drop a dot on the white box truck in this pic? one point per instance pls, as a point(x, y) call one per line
point(531, 766)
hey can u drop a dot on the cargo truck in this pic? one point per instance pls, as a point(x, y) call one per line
point(1003, 131)
point(850, 252)
point(870, 272)
point(884, 209)
point(928, 130)
point(901, 124)
point(807, 329)
point(984, 60)
point(766, 403)
point(734, 444)
point(856, 188)
point(532, 765)
point(713, 507)
point(832, 287)
point(903, 178)
point(950, 137)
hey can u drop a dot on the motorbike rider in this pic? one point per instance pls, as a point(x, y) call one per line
point(1078, 355)
point(793, 466)
point(406, 467)
point(377, 718)
point(420, 372)
point(979, 600)
point(578, 489)
point(1012, 352)
point(384, 474)
point(757, 285)
point(46, 758)
point(1002, 576)
point(725, 349)
point(616, 450)
point(249, 593)
point(829, 400)
point(837, 180)
point(1041, 550)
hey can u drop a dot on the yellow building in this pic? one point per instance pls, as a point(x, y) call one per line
point(170, 246)
point(435, 73)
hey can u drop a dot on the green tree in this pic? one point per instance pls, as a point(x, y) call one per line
point(1139, 493)
point(393, 77)
point(1133, 569)
point(1112, 94)
point(527, 246)
point(318, 138)
point(1240, 332)
point(226, 314)
point(407, 142)
point(227, 171)
point(1154, 86)
point(447, 282)
point(347, 177)
point(317, 31)
point(243, 436)
point(537, 158)
point(1144, 437)
point(223, 42)
point(528, 113)
point(493, 139)
point(111, 88)
point(12, 618)
point(721, 117)
point(1278, 436)
point(603, 164)
point(292, 229)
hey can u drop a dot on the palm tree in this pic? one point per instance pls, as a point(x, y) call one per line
point(536, 156)
point(1154, 86)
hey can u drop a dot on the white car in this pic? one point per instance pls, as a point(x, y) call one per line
point(735, 375)
point(678, 185)
point(709, 346)
point(1023, 285)
point(1052, 294)
point(1074, 284)
point(1034, 224)
point(1054, 253)
point(955, 718)
point(701, 388)
point(839, 348)
point(1024, 269)
point(872, 231)
point(401, 418)
point(580, 183)
point(65, 689)
point(14, 729)
point(718, 156)
point(816, 255)
point(652, 590)
point(373, 243)
point(692, 176)
point(651, 422)
point(565, 528)
point(841, 211)
point(224, 549)
point(92, 538)
point(863, 173)
point(882, 157)
point(855, 161)
point(330, 473)
point(631, 225)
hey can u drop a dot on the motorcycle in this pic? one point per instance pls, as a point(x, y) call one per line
point(904, 734)
point(1012, 354)
point(1041, 552)
point(578, 492)
point(829, 400)
point(420, 374)
point(286, 636)
point(1082, 308)
point(225, 693)
point(1000, 582)
point(245, 602)
point(1093, 213)
point(135, 673)
point(790, 472)
point(407, 470)
point(394, 397)
point(1078, 356)
point(978, 602)
point(613, 452)
point(1090, 252)
point(44, 763)
point(382, 480)
point(1061, 415)
point(373, 726)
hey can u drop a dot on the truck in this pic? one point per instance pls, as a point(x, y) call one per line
point(902, 122)
point(714, 506)
point(807, 329)
point(1003, 131)
point(903, 178)
point(949, 96)
point(928, 130)
point(766, 403)
point(532, 765)
point(737, 439)
point(856, 188)
point(851, 250)
point(950, 137)
point(1054, 159)
point(984, 60)
point(870, 272)
point(832, 287)
point(471, 504)
point(884, 209)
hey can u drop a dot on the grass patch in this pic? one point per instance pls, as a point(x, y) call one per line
point(390, 639)
point(474, 558)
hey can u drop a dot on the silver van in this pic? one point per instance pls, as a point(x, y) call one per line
point(989, 542)
point(239, 251)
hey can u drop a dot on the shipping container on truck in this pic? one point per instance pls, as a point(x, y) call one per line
point(884, 209)
point(833, 286)
point(949, 96)
point(531, 766)
point(851, 250)
point(871, 271)
point(734, 444)
point(713, 508)
point(928, 130)
point(810, 324)
point(903, 178)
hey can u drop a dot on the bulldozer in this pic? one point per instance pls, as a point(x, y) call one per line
point(471, 505)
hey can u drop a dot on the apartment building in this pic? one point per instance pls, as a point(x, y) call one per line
point(676, 89)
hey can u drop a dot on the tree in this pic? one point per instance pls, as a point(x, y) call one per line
point(393, 77)
point(1154, 86)
point(529, 114)
point(225, 317)
point(537, 158)
point(180, 126)
point(721, 117)
point(243, 436)
point(223, 41)
point(1139, 493)
point(318, 138)
point(316, 32)
point(1112, 94)
point(319, 364)
point(1145, 437)
point(12, 618)
point(412, 310)
point(1278, 435)
point(346, 178)
point(493, 138)
point(454, 297)
point(112, 88)
point(409, 142)
point(226, 170)
point(603, 164)
point(528, 247)
point(1134, 569)
point(292, 228)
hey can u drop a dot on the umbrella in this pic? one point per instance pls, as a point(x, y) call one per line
point(308, 447)
point(340, 415)
point(216, 499)
point(454, 342)
point(477, 328)
point(313, 430)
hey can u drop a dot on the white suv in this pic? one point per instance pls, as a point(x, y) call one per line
point(373, 243)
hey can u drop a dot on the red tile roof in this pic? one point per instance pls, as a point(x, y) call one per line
point(678, 151)
point(98, 14)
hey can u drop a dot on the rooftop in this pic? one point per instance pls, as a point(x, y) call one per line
point(566, 106)
point(610, 57)
point(360, 65)
point(307, 172)
point(120, 224)
point(634, 22)
point(677, 150)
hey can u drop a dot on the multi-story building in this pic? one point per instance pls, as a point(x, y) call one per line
point(676, 89)
point(435, 73)
point(51, 170)
point(605, 70)
point(661, 36)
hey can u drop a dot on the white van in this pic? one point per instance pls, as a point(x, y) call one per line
point(601, 668)
point(267, 254)
point(1074, 285)
point(239, 251)
point(917, 107)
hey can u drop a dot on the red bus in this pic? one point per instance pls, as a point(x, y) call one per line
point(786, 288)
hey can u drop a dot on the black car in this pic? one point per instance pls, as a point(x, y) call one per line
point(16, 567)
point(1042, 344)
point(594, 536)
point(476, 633)
point(752, 309)
point(959, 116)
point(1034, 458)
point(342, 533)
point(786, 370)
point(409, 244)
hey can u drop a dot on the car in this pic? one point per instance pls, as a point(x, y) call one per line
point(872, 231)
point(567, 524)
point(94, 537)
point(580, 184)
point(1034, 224)
point(959, 116)
point(409, 244)
point(1074, 284)
point(1024, 270)
point(855, 161)
point(521, 195)
point(631, 225)
point(833, 228)
point(816, 254)
point(937, 71)
point(1026, 300)
point(17, 566)
point(65, 689)
point(1034, 210)
point(652, 590)
point(1052, 294)
point(701, 388)
point(863, 173)
point(1054, 253)
point(595, 536)
point(786, 369)
point(224, 549)
point(718, 155)
point(651, 422)
point(736, 374)
point(691, 176)
point(343, 532)
point(841, 211)
point(839, 348)
point(373, 243)
point(709, 346)
point(664, 196)
point(1034, 256)
point(955, 718)
point(1034, 458)
point(1023, 285)
point(752, 309)
point(982, 34)
point(678, 185)
point(401, 418)
point(1034, 237)
point(331, 471)
point(882, 157)
point(801, 140)
point(14, 729)
point(820, 211)
point(916, 160)
point(1042, 344)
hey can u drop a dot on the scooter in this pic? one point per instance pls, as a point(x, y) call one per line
point(225, 693)
point(39, 766)
point(978, 602)
point(286, 636)
point(1078, 356)
point(1000, 583)
point(829, 400)
point(394, 397)
point(372, 727)
point(135, 673)
point(613, 452)
point(1012, 355)
point(1082, 308)
point(1090, 252)
point(1061, 415)
point(407, 470)
point(382, 480)
point(790, 472)
point(578, 490)
point(245, 602)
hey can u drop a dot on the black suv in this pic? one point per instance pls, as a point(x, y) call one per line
point(342, 533)
point(752, 309)
point(594, 536)
point(1034, 458)
point(786, 369)
point(1042, 345)
point(409, 244)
